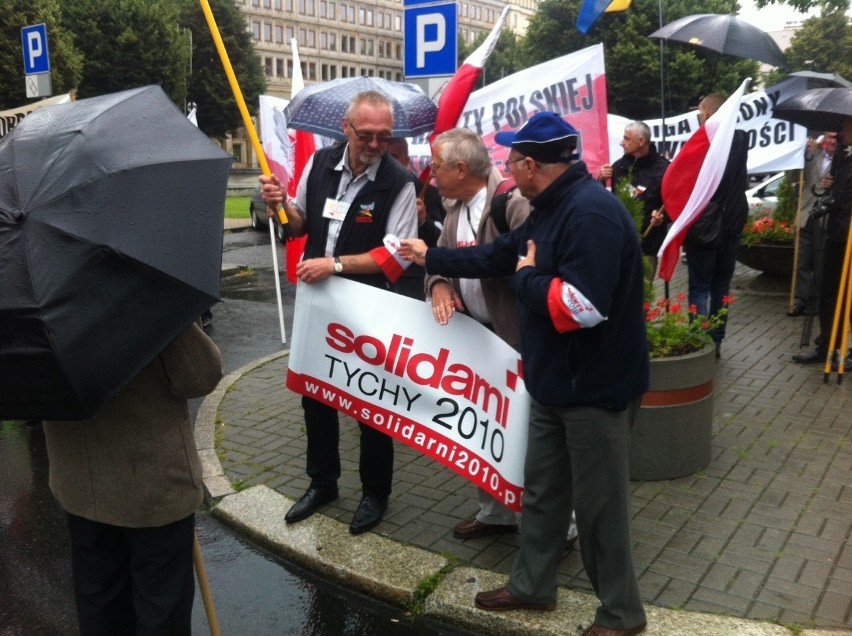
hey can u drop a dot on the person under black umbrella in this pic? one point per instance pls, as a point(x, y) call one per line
point(837, 205)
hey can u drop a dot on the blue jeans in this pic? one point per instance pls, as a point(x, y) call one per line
point(710, 274)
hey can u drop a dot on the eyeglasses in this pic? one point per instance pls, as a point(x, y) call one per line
point(506, 164)
point(367, 137)
point(434, 167)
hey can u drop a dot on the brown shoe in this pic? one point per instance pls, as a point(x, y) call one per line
point(599, 630)
point(471, 529)
point(501, 600)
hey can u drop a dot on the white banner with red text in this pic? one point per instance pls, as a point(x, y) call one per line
point(573, 85)
point(455, 393)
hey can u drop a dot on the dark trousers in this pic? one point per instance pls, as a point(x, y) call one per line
point(832, 269)
point(710, 274)
point(133, 580)
point(323, 456)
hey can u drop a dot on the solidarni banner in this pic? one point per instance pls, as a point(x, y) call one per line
point(454, 392)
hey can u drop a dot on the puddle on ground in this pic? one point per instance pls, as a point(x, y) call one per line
point(255, 284)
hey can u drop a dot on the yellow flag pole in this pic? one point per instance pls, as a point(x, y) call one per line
point(258, 149)
point(238, 95)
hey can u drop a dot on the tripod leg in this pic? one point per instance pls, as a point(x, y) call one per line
point(844, 278)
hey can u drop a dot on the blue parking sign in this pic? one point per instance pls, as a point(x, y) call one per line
point(431, 36)
point(36, 58)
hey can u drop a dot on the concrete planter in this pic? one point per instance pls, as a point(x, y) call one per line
point(767, 258)
point(674, 426)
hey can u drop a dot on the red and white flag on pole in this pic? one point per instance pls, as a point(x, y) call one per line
point(692, 178)
point(458, 89)
point(303, 149)
point(388, 258)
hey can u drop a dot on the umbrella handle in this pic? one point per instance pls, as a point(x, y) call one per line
point(241, 103)
point(204, 587)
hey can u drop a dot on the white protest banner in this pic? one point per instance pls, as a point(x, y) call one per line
point(774, 144)
point(573, 85)
point(454, 393)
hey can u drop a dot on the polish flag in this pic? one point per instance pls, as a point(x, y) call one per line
point(693, 176)
point(387, 257)
point(303, 149)
point(457, 91)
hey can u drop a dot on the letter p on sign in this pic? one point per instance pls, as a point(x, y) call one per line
point(437, 42)
point(36, 58)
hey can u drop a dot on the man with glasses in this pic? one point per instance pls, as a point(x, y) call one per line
point(350, 196)
point(576, 267)
point(468, 182)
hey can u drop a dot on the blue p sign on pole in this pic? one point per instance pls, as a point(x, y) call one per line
point(36, 58)
point(430, 40)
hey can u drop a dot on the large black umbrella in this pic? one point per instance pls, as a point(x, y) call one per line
point(319, 108)
point(110, 245)
point(822, 80)
point(726, 34)
point(817, 109)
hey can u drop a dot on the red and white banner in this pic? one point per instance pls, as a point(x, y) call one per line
point(454, 392)
point(573, 85)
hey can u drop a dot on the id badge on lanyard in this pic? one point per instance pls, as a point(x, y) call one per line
point(335, 210)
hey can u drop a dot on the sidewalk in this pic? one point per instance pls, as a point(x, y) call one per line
point(757, 543)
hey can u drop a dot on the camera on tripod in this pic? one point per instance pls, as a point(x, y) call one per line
point(822, 207)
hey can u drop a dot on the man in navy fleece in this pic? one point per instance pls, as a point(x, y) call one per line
point(577, 267)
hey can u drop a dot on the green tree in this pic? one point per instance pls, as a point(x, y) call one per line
point(129, 43)
point(208, 85)
point(633, 59)
point(66, 61)
point(823, 44)
point(505, 59)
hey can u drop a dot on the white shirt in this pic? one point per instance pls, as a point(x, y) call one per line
point(470, 216)
point(402, 219)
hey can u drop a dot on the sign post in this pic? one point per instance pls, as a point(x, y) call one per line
point(36, 61)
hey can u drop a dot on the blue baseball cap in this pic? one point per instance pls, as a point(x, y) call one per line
point(545, 137)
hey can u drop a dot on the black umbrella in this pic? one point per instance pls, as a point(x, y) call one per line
point(817, 109)
point(822, 80)
point(319, 108)
point(110, 245)
point(726, 34)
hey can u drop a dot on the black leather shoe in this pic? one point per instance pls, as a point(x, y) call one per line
point(814, 357)
point(309, 503)
point(369, 514)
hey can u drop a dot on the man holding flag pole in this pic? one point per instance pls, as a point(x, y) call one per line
point(351, 202)
point(704, 193)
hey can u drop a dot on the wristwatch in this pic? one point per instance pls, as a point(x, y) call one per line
point(338, 266)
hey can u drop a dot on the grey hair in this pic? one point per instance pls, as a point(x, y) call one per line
point(461, 144)
point(373, 98)
point(639, 128)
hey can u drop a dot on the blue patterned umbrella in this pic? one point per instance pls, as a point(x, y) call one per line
point(320, 108)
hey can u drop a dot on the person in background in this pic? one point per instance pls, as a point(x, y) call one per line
point(644, 167)
point(837, 207)
point(349, 197)
point(430, 216)
point(130, 482)
point(818, 158)
point(576, 267)
point(711, 261)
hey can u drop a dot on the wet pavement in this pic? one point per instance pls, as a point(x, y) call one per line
point(762, 534)
point(254, 591)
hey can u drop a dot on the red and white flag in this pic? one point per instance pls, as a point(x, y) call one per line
point(458, 89)
point(303, 149)
point(692, 178)
point(387, 257)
